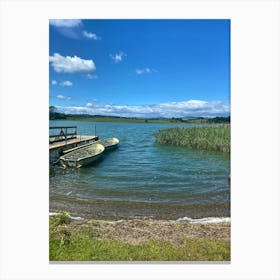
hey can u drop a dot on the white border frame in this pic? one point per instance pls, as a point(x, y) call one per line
point(255, 137)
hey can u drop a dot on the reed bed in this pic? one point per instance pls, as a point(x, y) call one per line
point(211, 138)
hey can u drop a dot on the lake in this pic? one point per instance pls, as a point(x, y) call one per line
point(142, 178)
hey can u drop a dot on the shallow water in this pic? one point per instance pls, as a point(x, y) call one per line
point(142, 178)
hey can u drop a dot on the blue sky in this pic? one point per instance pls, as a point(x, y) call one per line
point(140, 68)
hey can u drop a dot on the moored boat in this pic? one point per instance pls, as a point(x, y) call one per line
point(109, 144)
point(83, 156)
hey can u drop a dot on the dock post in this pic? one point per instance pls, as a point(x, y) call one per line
point(66, 136)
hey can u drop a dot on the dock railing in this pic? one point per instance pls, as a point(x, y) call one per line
point(62, 133)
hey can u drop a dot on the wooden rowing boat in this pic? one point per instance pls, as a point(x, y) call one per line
point(83, 156)
point(109, 144)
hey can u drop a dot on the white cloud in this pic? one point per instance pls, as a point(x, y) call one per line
point(70, 28)
point(66, 84)
point(68, 64)
point(90, 103)
point(118, 57)
point(54, 82)
point(191, 108)
point(145, 71)
point(90, 35)
point(62, 97)
point(68, 23)
point(91, 76)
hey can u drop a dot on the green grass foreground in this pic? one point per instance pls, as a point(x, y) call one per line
point(85, 244)
point(212, 138)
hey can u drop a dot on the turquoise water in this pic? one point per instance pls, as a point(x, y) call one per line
point(142, 178)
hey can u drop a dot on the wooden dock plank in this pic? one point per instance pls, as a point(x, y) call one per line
point(79, 139)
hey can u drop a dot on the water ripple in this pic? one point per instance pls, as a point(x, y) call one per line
point(142, 171)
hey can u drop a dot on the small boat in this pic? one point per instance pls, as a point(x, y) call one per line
point(83, 156)
point(109, 144)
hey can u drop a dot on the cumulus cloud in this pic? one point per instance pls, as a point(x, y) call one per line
point(90, 103)
point(70, 28)
point(184, 109)
point(66, 84)
point(68, 64)
point(54, 82)
point(91, 76)
point(145, 71)
point(68, 23)
point(90, 35)
point(62, 97)
point(142, 71)
point(118, 56)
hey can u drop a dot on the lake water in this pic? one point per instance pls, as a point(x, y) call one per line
point(142, 178)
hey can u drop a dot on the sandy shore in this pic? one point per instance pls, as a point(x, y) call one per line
point(137, 231)
point(116, 210)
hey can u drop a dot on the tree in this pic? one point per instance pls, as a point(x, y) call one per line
point(52, 109)
point(52, 112)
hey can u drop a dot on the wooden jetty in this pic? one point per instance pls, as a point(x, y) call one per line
point(65, 138)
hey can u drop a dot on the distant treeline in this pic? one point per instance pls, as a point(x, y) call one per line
point(202, 120)
point(57, 116)
point(54, 115)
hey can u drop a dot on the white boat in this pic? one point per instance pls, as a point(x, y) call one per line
point(109, 144)
point(82, 156)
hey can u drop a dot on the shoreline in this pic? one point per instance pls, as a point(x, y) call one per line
point(116, 210)
point(145, 239)
point(140, 230)
point(204, 220)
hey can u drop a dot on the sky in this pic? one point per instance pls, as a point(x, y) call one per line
point(140, 68)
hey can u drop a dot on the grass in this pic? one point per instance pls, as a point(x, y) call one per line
point(85, 243)
point(212, 138)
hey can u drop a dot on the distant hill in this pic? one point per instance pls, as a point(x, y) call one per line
point(100, 118)
point(54, 115)
point(208, 120)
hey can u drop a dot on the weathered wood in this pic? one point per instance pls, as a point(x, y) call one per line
point(56, 149)
point(78, 140)
point(63, 133)
point(59, 135)
point(76, 148)
point(57, 127)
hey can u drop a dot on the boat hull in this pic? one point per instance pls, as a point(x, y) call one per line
point(109, 144)
point(83, 157)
